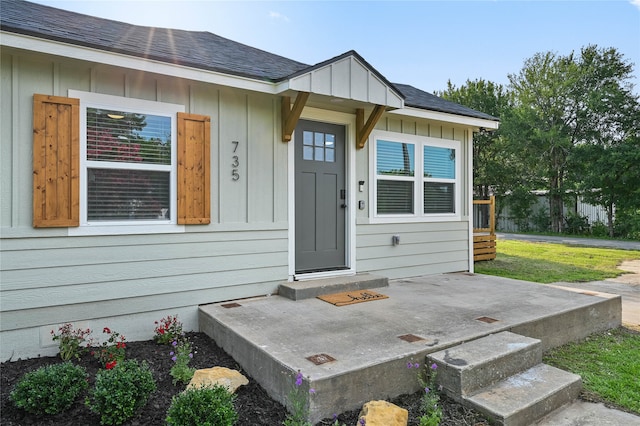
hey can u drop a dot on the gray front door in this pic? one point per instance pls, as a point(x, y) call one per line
point(320, 196)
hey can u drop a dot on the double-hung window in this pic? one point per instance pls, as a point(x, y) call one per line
point(415, 178)
point(128, 161)
point(108, 164)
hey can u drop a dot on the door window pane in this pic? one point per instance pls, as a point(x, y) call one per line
point(307, 152)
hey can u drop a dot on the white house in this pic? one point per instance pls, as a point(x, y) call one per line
point(146, 171)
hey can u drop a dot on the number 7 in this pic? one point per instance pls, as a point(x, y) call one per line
point(236, 143)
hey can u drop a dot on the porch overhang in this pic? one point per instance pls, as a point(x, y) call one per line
point(344, 83)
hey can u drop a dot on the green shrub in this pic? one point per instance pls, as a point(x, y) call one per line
point(627, 224)
point(204, 406)
point(576, 224)
point(599, 229)
point(119, 392)
point(50, 389)
point(181, 356)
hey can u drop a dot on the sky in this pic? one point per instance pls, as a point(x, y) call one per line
point(421, 43)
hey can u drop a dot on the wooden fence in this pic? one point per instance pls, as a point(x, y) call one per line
point(484, 229)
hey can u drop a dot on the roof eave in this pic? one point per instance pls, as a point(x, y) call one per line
point(102, 56)
point(446, 117)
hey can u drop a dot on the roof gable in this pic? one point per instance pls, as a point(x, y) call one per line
point(347, 76)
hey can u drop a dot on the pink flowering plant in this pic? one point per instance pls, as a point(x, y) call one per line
point(70, 341)
point(432, 412)
point(112, 351)
point(167, 330)
point(181, 355)
point(299, 400)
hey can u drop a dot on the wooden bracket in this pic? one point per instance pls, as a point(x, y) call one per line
point(363, 130)
point(290, 116)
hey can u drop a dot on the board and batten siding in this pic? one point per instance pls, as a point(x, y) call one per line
point(127, 281)
point(425, 247)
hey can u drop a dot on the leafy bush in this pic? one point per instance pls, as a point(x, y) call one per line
point(50, 389)
point(119, 392)
point(431, 410)
point(204, 406)
point(112, 351)
point(70, 341)
point(167, 330)
point(181, 356)
point(599, 229)
point(541, 220)
point(576, 224)
point(627, 224)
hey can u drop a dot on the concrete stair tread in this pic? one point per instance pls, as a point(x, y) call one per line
point(528, 396)
point(299, 290)
point(476, 364)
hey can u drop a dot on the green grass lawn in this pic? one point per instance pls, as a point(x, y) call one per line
point(548, 263)
point(609, 363)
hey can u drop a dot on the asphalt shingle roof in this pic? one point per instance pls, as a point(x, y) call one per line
point(421, 99)
point(197, 49)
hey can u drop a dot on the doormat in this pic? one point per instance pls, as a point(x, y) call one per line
point(352, 297)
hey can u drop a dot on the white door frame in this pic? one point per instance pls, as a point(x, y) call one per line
point(349, 121)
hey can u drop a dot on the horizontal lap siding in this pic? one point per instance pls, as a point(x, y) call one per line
point(48, 277)
point(425, 248)
point(138, 276)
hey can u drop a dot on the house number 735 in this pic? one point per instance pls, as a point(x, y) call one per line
point(235, 162)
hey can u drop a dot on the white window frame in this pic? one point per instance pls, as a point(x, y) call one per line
point(418, 178)
point(140, 106)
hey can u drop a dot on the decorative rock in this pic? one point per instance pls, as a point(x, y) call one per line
point(231, 379)
point(383, 413)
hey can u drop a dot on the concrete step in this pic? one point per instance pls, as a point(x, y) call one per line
point(524, 398)
point(471, 366)
point(298, 290)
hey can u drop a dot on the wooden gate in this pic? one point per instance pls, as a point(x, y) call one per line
point(484, 229)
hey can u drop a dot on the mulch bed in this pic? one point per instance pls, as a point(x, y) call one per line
point(253, 404)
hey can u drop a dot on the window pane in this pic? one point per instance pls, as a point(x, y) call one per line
point(394, 158)
point(330, 155)
point(128, 137)
point(330, 140)
point(319, 139)
point(439, 197)
point(307, 152)
point(307, 138)
point(439, 162)
point(127, 195)
point(319, 154)
point(394, 197)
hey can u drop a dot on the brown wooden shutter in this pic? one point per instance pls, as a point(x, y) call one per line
point(194, 198)
point(56, 161)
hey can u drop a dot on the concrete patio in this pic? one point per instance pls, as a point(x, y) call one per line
point(356, 353)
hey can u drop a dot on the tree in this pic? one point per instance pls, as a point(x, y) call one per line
point(489, 163)
point(611, 176)
point(561, 102)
